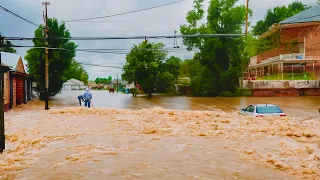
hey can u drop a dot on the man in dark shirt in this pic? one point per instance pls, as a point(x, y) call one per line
point(80, 98)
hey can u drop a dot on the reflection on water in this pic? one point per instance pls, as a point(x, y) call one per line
point(293, 106)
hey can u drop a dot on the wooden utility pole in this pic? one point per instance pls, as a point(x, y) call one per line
point(247, 17)
point(46, 30)
point(2, 136)
point(117, 84)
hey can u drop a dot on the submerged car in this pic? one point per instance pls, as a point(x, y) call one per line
point(261, 110)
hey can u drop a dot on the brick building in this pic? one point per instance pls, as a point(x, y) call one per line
point(298, 51)
point(17, 83)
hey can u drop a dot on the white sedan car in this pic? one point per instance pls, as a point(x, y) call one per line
point(261, 110)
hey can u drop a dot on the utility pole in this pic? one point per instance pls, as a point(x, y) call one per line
point(117, 84)
point(46, 30)
point(2, 136)
point(247, 17)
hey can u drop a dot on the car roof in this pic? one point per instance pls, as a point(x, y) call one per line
point(261, 105)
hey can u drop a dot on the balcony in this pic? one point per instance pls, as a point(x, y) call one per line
point(279, 54)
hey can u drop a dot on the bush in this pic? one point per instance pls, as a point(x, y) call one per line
point(244, 92)
point(227, 94)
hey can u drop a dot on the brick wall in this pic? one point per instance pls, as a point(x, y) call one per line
point(312, 92)
point(6, 89)
point(275, 92)
point(286, 92)
point(14, 102)
point(313, 44)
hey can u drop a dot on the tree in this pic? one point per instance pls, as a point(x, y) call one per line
point(103, 80)
point(220, 58)
point(142, 65)
point(278, 14)
point(76, 71)
point(7, 46)
point(109, 78)
point(173, 65)
point(59, 60)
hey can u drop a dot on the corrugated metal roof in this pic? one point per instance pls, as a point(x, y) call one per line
point(309, 15)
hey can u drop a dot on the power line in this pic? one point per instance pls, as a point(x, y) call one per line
point(102, 52)
point(108, 50)
point(10, 12)
point(99, 65)
point(165, 49)
point(130, 12)
point(105, 51)
point(126, 37)
point(62, 49)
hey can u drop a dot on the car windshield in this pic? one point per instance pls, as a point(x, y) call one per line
point(268, 109)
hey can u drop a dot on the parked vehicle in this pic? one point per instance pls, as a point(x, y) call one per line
point(261, 110)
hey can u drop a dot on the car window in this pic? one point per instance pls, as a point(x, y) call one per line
point(248, 108)
point(251, 109)
point(268, 109)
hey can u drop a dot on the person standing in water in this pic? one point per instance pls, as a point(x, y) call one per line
point(87, 98)
point(80, 98)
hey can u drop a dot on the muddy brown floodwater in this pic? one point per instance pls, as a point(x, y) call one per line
point(130, 138)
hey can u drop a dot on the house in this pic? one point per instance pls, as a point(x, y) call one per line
point(17, 83)
point(297, 55)
point(122, 84)
point(73, 84)
point(92, 85)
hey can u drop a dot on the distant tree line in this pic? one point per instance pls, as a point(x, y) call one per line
point(103, 80)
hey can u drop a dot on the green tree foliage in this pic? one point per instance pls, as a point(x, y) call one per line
point(76, 71)
point(147, 65)
point(103, 80)
point(172, 65)
point(278, 14)
point(7, 46)
point(190, 68)
point(220, 58)
point(59, 61)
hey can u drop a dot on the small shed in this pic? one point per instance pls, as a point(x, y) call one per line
point(17, 84)
point(73, 84)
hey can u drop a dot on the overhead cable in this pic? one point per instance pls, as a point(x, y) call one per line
point(126, 37)
point(99, 65)
point(103, 51)
point(39, 47)
point(10, 12)
point(130, 12)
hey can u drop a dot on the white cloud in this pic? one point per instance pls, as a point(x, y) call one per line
point(161, 21)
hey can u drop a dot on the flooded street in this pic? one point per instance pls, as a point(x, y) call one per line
point(164, 137)
point(293, 106)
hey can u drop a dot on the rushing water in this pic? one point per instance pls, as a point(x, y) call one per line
point(293, 106)
point(138, 139)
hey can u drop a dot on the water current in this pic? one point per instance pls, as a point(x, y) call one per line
point(163, 137)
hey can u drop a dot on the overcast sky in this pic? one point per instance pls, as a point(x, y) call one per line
point(161, 21)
